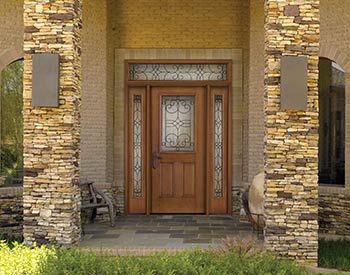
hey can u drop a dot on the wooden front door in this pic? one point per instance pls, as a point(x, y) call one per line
point(178, 149)
point(177, 142)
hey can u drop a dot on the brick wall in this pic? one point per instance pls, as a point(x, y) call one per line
point(94, 148)
point(335, 31)
point(11, 31)
point(178, 24)
point(256, 90)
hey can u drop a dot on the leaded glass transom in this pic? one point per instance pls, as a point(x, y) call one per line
point(137, 146)
point(181, 71)
point(218, 147)
point(177, 123)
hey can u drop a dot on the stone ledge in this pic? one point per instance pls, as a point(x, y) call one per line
point(329, 189)
point(15, 190)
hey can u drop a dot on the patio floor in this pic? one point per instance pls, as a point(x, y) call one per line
point(164, 232)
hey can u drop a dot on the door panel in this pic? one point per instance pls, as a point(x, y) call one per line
point(178, 146)
point(166, 180)
point(189, 179)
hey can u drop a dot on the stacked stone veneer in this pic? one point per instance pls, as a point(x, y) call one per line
point(291, 136)
point(51, 195)
point(11, 212)
point(334, 212)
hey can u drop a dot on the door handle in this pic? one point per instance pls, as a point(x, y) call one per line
point(156, 157)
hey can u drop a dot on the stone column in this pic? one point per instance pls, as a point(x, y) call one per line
point(291, 136)
point(51, 195)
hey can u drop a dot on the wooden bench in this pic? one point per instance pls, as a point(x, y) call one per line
point(98, 199)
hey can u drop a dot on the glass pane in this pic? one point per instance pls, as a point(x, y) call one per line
point(137, 146)
point(180, 71)
point(177, 123)
point(332, 123)
point(218, 139)
point(11, 123)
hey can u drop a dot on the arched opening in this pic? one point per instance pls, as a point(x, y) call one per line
point(332, 122)
point(11, 123)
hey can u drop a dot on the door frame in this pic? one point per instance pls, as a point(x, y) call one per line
point(147, 157)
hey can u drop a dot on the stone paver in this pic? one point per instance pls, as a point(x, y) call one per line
point(165, 231)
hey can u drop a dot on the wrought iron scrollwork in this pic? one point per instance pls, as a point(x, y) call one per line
point(177, 123)
point(137, 146)
point(176, 72)
point(218, 147)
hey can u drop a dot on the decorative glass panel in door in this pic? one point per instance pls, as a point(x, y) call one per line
point(177, 123)
point(137, 153)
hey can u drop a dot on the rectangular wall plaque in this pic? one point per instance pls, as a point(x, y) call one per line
point(46, 71)
point(294, 82)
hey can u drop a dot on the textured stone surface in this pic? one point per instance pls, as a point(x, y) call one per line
point(291, 136)
point(334, 213)
point(51, 195)
point(11, 212)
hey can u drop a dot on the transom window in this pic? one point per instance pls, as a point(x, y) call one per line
point(177, 71)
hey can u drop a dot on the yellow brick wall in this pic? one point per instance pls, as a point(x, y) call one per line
point(178, 24)
point(255, 134)
point(335, 29)
point(11, 31)
point(94, 91)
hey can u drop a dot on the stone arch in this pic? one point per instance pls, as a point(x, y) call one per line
point(333, 53)
point(9, 55)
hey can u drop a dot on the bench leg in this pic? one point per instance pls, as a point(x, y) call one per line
point(93, 215)
point(111, 213)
